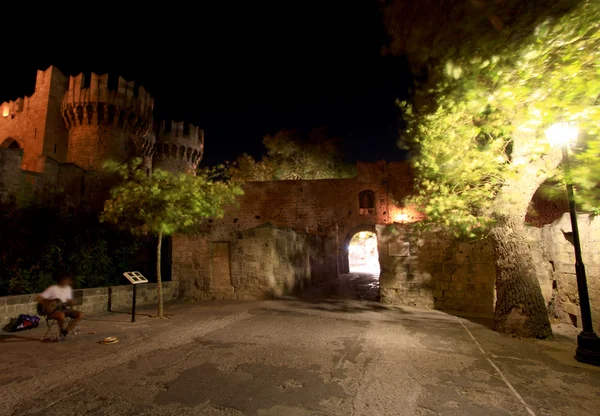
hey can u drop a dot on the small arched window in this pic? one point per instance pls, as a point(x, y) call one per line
point(366, 202)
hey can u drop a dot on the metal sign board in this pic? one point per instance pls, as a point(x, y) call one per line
point(135, 277)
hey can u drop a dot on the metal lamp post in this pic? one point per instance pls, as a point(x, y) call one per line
point(588, 344)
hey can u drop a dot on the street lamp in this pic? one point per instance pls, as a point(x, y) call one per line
point(565, 134)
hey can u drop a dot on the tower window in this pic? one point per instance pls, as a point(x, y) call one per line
point(366, 202)
point(54, 148)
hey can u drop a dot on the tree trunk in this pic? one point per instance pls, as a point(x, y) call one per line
point(159, 293)
point(520, 306)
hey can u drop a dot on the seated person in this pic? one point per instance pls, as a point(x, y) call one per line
point(54, 301)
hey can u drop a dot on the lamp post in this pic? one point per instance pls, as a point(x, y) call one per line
point(588, 344)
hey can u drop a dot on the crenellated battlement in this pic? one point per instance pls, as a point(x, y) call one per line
point(147, 144)
point(11, 108)
point(179, 146)
point(122, 105)
point(87, 119)
point(170, 131)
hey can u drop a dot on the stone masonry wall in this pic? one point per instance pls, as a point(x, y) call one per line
point(328, 207)
point(262, 262)
point(10, 172)
point(26, 120)
point(433, 270)
point(91, 300)
point(553, 250)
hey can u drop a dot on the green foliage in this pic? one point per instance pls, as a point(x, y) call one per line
point(586, 175)
point(477, 118)
point(164, 203)
point(290, 156)
point(42, 234)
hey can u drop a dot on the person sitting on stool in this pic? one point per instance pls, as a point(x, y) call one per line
point(54, 301)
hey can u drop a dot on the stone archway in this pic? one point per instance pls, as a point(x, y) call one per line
point(10, 143)
point(344, 264)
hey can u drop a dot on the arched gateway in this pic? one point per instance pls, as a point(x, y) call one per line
point(345, 247)
point(10, 143)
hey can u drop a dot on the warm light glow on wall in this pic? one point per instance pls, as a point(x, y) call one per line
point(5, 111)
point(405, 215)
point(401, 217)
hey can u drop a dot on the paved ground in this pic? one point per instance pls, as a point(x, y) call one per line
point(296, 357)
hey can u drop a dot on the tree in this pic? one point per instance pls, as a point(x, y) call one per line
point(290, 156)
point(476, 121)
point(163, 203)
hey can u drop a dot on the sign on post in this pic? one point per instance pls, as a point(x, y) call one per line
point(135, 278)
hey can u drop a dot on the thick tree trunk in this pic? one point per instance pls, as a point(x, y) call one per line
point(520, 306)
point(159, 293)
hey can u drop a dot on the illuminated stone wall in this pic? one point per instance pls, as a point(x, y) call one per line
point(69, 126)
point(257, 263)
point(555, 256)
point(35, 123)
point(329, 208)
point(434, 270)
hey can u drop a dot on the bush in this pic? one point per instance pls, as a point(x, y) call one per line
point(44, 236)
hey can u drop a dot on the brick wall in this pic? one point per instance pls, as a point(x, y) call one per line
point(257, 263)
point(433, 270)
point(91, 300)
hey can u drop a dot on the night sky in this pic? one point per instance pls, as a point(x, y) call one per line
point(239, 72)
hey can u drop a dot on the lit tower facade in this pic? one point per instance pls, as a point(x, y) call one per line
point(179, 147)
point(107, 119)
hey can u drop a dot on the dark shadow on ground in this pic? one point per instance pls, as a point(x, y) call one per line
point(17, 338)
point(341, 305)
point(356, 293)
point(350, 293)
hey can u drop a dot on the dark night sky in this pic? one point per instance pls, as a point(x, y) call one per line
point(239, 72)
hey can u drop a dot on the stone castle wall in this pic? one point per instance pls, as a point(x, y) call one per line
point(17, 184)
point(35, 123)
point(554, 254)
point(434, 270)
point(10, 172)
point(85, 121)
point(257, 263)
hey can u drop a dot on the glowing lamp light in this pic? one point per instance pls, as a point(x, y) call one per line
point(5, 111)
point(562, 134)
point(401, 217)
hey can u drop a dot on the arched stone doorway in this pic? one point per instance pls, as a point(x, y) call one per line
point(344, 263)
point(363, 256)
point(10, 143)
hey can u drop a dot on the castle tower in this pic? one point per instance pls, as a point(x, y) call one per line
point(33, 124)
point(179, 147)
point(107, 122)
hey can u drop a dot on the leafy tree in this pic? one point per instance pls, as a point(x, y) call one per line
point(586, 176)
point(290, 156)
point(163, 203)
point(489, 84)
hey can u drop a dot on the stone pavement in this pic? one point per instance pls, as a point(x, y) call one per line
point(314, 355)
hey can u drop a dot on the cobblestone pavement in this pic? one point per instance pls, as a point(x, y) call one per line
point(323, 353)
